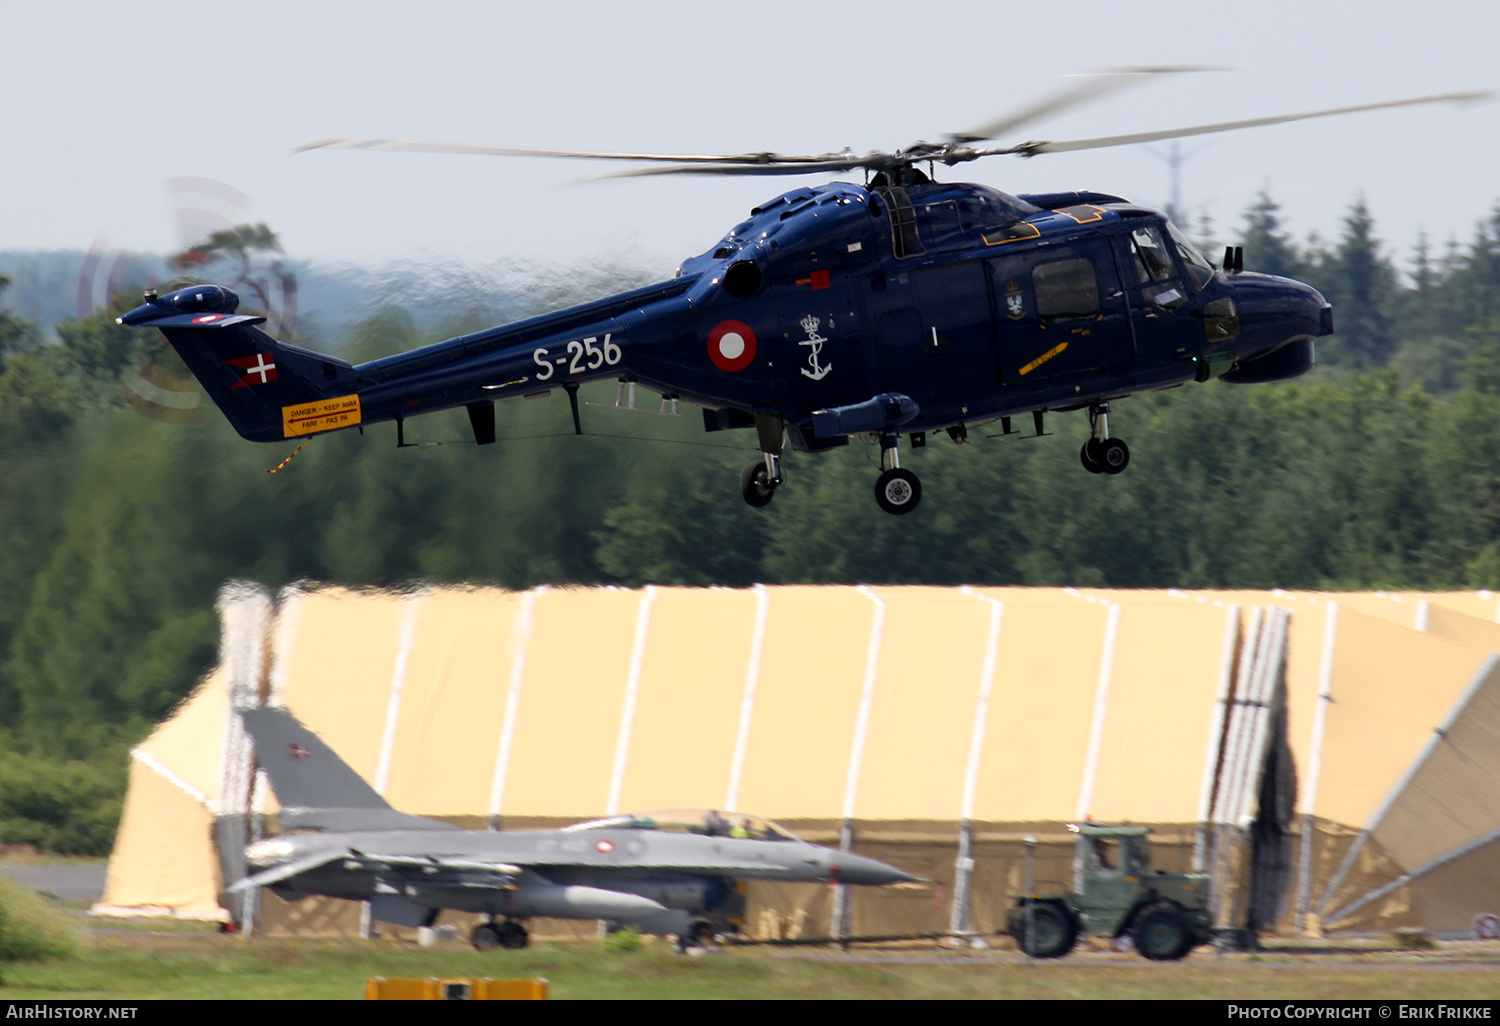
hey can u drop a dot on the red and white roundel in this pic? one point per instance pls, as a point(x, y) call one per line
point(208, 318)
point(731, 345)
point(604, 847)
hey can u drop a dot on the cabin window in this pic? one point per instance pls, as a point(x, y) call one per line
point(1065, 288)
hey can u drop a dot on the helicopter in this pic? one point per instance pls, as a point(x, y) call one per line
point(899, 306)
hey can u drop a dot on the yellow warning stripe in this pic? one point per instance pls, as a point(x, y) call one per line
point(1049, 354)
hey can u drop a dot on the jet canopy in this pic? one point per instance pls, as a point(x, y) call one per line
point(706, 822)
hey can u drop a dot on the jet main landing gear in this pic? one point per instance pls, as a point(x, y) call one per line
point(509, 934)
point(1102, 454)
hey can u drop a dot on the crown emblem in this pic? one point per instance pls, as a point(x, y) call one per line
point(809, 324)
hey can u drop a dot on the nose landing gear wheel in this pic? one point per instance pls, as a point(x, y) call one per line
point(898, 490)
point(1114, 455)
point(755, 484)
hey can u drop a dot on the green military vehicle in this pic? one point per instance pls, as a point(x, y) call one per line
point(1165, 915)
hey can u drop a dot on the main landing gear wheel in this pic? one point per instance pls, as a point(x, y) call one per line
point(1162, 933)
point(1114, 455)
point(1089, 456)
point(898, 490)
point(485, 937)
point(756, 485)
point(513, 936)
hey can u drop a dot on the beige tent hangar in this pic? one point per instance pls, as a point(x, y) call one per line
point(937, 728)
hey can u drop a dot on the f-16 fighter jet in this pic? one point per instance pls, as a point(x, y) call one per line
point(669, 872)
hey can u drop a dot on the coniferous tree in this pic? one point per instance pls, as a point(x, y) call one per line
point(1360, 282)
point(1268, 248)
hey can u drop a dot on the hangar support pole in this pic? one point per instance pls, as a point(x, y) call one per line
point(520, 642)
point(1314, 771)
point(841, 917)
point(245, 613)
point(1215, 749)
point(960, 917)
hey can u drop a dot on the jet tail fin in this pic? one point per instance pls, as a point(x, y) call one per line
point(269, 390)
point(318, 790)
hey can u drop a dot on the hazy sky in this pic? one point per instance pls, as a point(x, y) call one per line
point(105, 101)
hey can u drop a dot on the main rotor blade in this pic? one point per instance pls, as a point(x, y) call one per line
point(1089, 86)
point(807, 167)
point(415, 146)
point(1031, 149)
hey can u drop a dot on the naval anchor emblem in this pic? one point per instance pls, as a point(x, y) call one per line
point(814, 341)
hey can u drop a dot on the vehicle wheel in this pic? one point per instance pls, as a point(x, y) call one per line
point(1114, 455)
point(513, 936)
point(1089, 457)
point(755, 484)
point(898, 490)
point(485, 938)
point(1052, 931)
point(1162, 933)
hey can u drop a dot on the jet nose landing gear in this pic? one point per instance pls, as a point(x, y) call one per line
point(897, 490)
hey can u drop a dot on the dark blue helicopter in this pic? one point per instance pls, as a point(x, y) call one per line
point(902, 306)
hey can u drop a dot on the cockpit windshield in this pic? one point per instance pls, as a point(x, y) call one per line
point(1198, 269)
point(708, 822)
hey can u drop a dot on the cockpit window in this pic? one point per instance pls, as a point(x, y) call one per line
point(707, 822)
point(1156, 271)
point(1152, 261)
point(1198, 269)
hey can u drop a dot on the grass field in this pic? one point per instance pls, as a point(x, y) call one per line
point(195, 963)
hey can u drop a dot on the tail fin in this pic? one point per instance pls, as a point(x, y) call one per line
point(318, 790)
point(269, 390)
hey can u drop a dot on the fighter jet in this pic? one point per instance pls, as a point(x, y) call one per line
point(673, 872)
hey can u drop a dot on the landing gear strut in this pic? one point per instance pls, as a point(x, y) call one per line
point(760, 478)
point(1102, 454)
point(897, 490)
point(700, 934)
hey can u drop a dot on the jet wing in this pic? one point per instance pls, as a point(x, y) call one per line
point(365, 860)
point(285, 871)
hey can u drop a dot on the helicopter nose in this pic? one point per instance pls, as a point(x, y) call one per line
point(849, 868)
point(1274, 311)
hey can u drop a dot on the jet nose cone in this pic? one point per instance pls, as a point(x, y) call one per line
point(856, 869)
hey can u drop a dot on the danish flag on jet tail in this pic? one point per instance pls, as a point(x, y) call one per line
point(258, 369)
